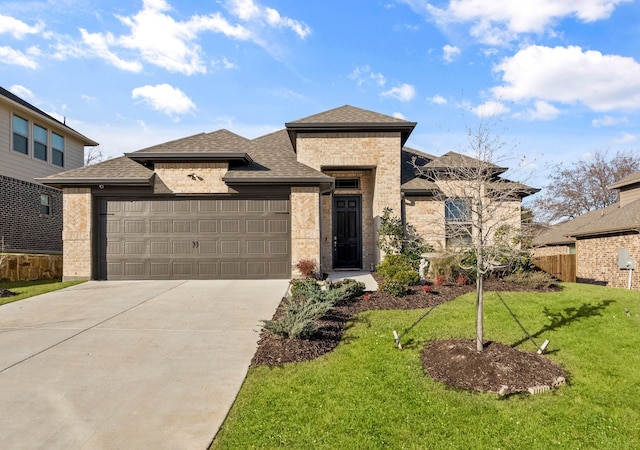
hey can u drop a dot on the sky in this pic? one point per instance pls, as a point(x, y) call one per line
point(552, 80)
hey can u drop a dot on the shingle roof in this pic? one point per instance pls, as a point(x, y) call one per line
point(348, 114)
point(120, 170)
point(454, 160)
point(23, 103)
point(612, 219)
point(274, 161)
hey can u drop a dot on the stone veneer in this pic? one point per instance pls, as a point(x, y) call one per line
point(305, 225)
point(28, 267)
point(76, 234)
point(597, 260)
point(379, 153)
point(190, 178)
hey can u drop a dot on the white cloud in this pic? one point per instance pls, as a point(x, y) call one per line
point(438, 100)
point(276, 20)
point(399, 115)
point(404, 92)
point(570, 75)
point(164, 98)
point(223, 63)
point(608, 121)
point(98, 45)
point(542, 111)
point(364, 75)
point(22, 92)
point(490, 109)
point(17, 28)
point(9, 55)
point(496, 22)
point(450, 53)
point(626, 138)
point(256, 14)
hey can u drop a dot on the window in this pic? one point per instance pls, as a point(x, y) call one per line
point(40, 142)
point(57, 151)
point(45, 204)
point(457, 213)
point(20, 135)
point(347, 183)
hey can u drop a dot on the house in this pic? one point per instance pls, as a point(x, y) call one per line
point(33, 145)
point(218, 205)
point(606, 241)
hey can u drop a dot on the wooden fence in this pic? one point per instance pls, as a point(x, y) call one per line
point(563, 267)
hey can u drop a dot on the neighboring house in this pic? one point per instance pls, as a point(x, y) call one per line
point(599, 239)
point(217, 205)
point(33, 145)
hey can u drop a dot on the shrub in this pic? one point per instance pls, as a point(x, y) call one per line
point(462, 280)
point(393, 287)
point(440, 280)
point(426, 288)
point(307, 268)
point(304, 287)
point(532, 280)
point(408, 277)
point(298, 322)
point(396, 238)
point(392, 264)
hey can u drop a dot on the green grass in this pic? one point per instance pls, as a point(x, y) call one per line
point(26, 289)
point(367, 394)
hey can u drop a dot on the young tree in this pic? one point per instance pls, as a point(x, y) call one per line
point(482, 210)
point(583, 186)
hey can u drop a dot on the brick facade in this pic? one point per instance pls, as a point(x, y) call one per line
point(598, 260)
point(190, 178)
point(77, 234)
point(305, 225)
point(23, 228)
point(351, 152)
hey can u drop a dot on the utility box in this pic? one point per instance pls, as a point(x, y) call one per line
point(624, 260)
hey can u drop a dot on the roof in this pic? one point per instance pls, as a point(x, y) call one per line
point(454, 160)
point(633, 178)
point(274, 162)
point(350, 118)
point(24, 105)
point(120, 171)
point(220, 145)
point(610, 220)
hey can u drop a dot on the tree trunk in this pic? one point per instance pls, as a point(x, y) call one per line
point(479, 298)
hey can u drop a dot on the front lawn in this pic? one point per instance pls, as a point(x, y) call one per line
point(26, 289)
point(368, 394)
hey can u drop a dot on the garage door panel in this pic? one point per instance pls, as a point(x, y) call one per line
point(204, 238)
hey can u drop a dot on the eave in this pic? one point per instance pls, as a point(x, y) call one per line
point(188, 157)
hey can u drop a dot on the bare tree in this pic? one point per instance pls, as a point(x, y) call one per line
point(583, 186)
point(93, 155)
point(482, 210)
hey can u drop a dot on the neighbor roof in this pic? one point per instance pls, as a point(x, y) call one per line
point(633, 178)
point(24, 105)
point(610, 220)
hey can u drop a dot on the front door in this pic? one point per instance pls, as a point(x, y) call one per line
point(347, 232)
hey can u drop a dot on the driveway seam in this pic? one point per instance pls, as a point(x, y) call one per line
point(88, 328)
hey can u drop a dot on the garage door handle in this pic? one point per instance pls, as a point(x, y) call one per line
point(195, 244)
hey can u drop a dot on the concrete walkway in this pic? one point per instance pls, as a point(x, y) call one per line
point(128, 365)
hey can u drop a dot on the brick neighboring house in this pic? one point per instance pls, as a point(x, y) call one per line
point(33, 145)
point(597, 237)
point(217, 205)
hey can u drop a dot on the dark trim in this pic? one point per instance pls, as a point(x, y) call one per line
point(605, 233)
point(189, 156)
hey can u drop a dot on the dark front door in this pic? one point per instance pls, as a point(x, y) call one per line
point(347, 237)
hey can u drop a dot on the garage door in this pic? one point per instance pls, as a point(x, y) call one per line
point(190, 239)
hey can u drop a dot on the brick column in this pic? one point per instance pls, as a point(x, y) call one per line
point(76, 234)
point(305, 225)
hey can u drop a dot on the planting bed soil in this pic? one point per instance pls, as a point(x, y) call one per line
point(463, 372)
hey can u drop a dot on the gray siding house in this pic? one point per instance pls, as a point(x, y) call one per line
point(33, 145)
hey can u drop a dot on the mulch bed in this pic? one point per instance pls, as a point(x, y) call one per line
point(499, 368)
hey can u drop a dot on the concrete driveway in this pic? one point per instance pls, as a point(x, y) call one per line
point(128, 364)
